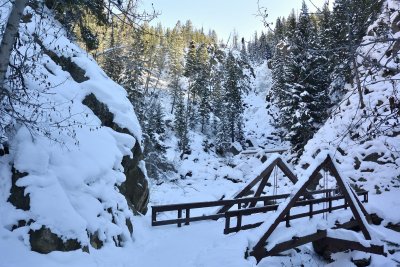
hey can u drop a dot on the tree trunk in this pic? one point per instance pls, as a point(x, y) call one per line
point(358, 81)
point(8, 41)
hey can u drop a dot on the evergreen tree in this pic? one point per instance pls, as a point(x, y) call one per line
point(202, 86)
point(300, 90)
point(176, 53)
point(233, 95)
point(181, 124)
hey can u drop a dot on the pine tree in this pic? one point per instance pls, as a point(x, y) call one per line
point(349, 22)
point(297, 82)
point(202, 86)
point(181, 124)
point(233, 95)
point(175, 53)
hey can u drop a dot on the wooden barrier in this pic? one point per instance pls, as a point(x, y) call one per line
point(310, 202)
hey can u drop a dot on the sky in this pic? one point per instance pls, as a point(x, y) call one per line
point(224, 16)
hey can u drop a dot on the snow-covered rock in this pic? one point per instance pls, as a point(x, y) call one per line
point(76, 186)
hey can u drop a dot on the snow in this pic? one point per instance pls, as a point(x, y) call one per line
point(72, 174)
point(71, 186)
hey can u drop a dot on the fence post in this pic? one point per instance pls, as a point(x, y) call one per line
point(287, 219)
point(153, 216)
point(330, 202)
point(311, 210)
point(239, 222)
point(227, 223)
point(179, 217)
point(187, 216)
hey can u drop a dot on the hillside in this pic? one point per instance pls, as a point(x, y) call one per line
point(172, 116)
point(71, 178)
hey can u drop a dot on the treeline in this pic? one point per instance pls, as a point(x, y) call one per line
point(314, 57)
point(205, 81)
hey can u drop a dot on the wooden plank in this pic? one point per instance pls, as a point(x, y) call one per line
point(192, 219)
point(261, 187)
point(208, 204)
point(247, 189)
point(347, 225)
point(342, 244)
point(229, 230)
point(353, 208)
point(314, 212)
point(179, 217)
point(261, 243)
point(296, 242)
point(364, 211)
point(285, 169)
point(187, 215)
point(275, 151)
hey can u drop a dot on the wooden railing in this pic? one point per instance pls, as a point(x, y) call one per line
point(184, 210)
point(187, 207)
point(310, 202)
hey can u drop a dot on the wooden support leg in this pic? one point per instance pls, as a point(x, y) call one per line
point(187, 222)
point(239, 222)
point(179, 217)
point(153, 216)
point(288, 219)
point(227, 224)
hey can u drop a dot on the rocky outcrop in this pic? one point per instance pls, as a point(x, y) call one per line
point(135, 188)
point(44, 241)
point(17, 197)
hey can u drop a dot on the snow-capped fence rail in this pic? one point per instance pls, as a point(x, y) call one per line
point(338, 238)
point(185, 208)
point(179, 208)
point(333, 238)
point(329, 199)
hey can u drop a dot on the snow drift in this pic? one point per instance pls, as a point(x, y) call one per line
point(76, 186)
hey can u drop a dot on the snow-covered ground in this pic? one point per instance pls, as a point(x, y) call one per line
point(203, 243)
point(200, 176)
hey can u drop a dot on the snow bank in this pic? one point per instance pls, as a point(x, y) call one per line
point(70, 177)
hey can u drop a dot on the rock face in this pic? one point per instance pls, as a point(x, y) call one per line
point(17, 194)
point(44, 241)
point(135, 188)
point(102, 171)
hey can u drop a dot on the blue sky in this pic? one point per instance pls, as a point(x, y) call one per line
point(223, 15)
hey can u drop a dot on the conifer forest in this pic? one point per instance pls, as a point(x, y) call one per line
point(128, 140)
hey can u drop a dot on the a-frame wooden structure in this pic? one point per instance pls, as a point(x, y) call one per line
point(263, 179)
point(361, 217)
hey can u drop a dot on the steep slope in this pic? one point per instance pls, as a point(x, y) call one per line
point(73, 183)
point(205, 175)
point(365, 141)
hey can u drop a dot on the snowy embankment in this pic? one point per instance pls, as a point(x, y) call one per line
point(61, 191)
point(201, 176)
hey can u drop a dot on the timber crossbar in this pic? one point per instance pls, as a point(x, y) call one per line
point(321, 235)
point(179, 208)
point(185, 208)
point(310, 202)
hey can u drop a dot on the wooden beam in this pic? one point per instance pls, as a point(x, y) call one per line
point(364, 211)
point(261, 187)
point(261, 243)
point(296, 242)
point(285, 169)
point(247, 189)
point(331, 166)
point(328, 164)
point(342, 244)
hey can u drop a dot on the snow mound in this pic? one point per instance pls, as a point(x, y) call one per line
point(68, 181)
